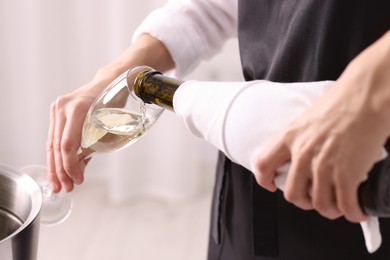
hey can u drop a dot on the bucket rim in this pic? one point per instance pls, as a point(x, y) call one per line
point(32, 189)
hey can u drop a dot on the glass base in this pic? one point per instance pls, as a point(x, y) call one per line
point(56, 207)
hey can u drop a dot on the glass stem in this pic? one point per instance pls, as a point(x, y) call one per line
point(46, 190)
point(84, 154)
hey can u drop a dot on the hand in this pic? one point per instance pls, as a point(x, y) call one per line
point(331, 151)
point(333, 145)
point(68, 112)
point(67, 116)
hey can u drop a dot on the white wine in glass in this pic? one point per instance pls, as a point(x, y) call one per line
point(118, 117)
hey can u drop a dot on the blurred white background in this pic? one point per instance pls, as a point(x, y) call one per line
point(49, 48)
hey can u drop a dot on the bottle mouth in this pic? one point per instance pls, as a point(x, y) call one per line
point(142, 75)
point(135, 78)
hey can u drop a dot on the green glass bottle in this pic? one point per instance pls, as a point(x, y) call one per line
point(153, 87)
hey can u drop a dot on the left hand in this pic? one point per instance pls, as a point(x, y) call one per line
point(333, 145)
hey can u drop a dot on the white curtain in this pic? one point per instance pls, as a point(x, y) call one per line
point(49, 48)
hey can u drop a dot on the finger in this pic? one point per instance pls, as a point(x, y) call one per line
point(268, 162)
point(324, 193)
point(347, 201)
point(70, 144)
point(64, 179)
point(324, 199)
point(54, 183)
point(298, 186)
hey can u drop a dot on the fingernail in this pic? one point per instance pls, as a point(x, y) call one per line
point(78, 180)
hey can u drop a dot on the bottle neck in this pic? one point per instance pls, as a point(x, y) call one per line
point(153, 87)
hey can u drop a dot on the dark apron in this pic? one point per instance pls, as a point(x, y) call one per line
point(292, 41)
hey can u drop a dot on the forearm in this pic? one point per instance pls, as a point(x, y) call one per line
point(369, 72)
point(146, 50)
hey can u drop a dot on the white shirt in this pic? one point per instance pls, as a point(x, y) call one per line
point(192, 30)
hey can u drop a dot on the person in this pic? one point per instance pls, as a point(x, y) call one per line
point(331, 146)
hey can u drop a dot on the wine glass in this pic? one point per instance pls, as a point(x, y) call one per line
point(116, 119)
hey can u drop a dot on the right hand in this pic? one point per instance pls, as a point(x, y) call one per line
point(67, 116)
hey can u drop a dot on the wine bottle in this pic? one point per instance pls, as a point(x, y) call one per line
point(374, 193)
point(153, 87)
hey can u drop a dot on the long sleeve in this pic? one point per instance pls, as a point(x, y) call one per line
point(192, 30)
point(239, 117)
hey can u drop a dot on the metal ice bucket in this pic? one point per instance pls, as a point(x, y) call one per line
point(20, 205)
